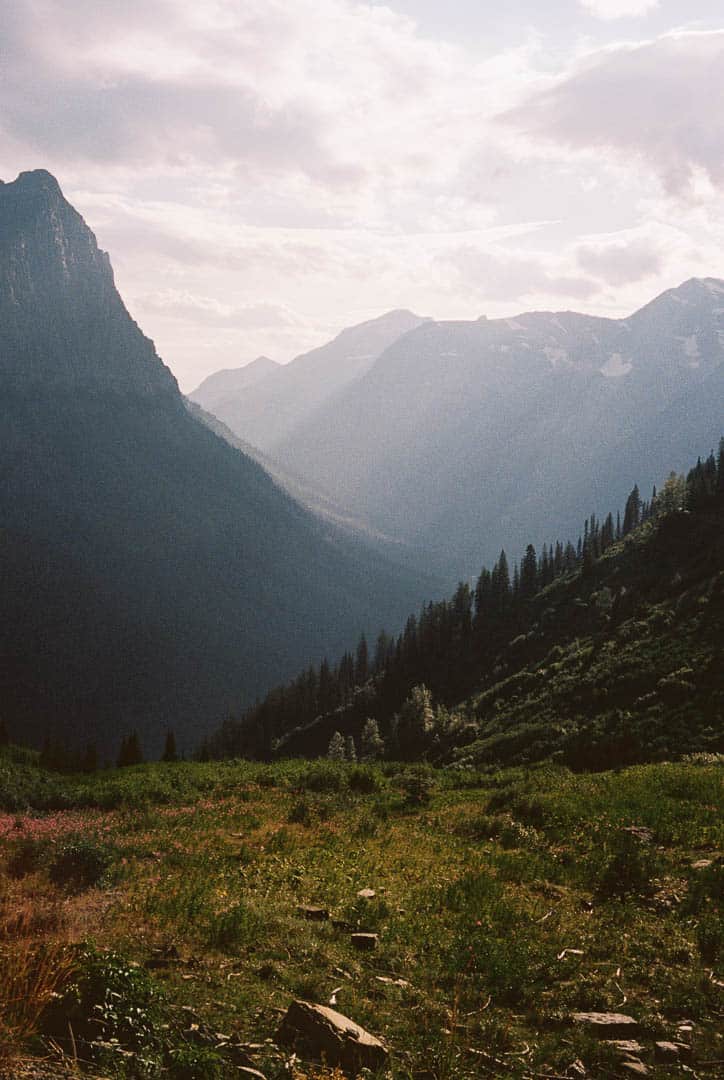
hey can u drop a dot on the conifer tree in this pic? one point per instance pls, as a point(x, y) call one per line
point(169, 750)
point(415, 723)
point(528, 573)
point(4, 736)
point(632, 511)
point(130, 752)
point(372, 744)
point(89, 762)
point(350, 750)
point(362, 670)
point(336, 748)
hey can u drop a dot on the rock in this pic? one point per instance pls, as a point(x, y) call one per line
point(366, 894)
point(701, 864)
point(331, 1036)
point(639, 832)
point(314, 914)
point(626, 1046)
point(636, 1067)
point(670, 1051)
point(364, 942)
point(391, 982)
point(606, 1025)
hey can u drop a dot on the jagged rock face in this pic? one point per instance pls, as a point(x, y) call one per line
point(62, 321)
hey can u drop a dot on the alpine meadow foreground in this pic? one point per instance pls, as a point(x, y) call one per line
point(160, 919)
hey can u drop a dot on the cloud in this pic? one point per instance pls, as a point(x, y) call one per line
point(494, 275)
point(620, 262)
point(619, 9)
point(206, 310)
point(264, 173)
point(660, 102)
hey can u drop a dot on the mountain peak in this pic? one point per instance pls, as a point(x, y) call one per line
point(37, 180)
point(62, 321)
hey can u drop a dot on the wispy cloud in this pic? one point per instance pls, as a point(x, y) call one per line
point(267, 172)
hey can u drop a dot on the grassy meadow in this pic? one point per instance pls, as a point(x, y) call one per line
point(152, 922)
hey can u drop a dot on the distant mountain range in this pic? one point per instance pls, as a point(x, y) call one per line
point(464, 437)
point(265, 403)
point(150, 574)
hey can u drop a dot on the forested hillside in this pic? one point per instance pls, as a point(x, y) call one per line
point(598, 653)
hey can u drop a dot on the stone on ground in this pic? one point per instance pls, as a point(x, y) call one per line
point(332, 1037)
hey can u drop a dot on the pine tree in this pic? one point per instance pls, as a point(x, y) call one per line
point(89, 762)
point(130, 752)
point(632, 511)
point(383, 649)
point(4, 736)
point(372, 744)
point(415, 723)
point(336, 748)
point(529, 573)
point(362, 669)
point(169, 751)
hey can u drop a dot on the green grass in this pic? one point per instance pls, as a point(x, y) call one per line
point(481, 889)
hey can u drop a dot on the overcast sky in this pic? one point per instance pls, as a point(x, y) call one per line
point(266, 172)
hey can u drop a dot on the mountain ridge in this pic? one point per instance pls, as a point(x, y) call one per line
point(493, 429)
point(151, 573)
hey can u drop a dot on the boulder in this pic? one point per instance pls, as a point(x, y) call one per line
point(315, 914)
point(366, 894)
point(364, 942)
point(636, 1068)
point(626, 1046)
point(606, 1025)
point(331, 1037)
point(671, 1051)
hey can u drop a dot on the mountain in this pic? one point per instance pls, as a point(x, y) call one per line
point(269, 411)
point(150, 574)
point(596, 659)
point(232, 382)
point(464, 437)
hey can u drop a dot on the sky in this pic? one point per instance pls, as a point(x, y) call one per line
point(267, 172)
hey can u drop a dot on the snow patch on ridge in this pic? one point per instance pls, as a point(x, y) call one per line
point(616, 366)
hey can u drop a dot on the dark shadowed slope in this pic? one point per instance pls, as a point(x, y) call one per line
point(149, 573)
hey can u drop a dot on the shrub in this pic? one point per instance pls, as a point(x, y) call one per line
point(418, 786)
point(32, 976)
point(322, 777)
point(232, 927)
point(628, 869)
point(195, 1063)
point(364, 780)
point(301, 813)
point(79, 863)
point(25, 857)
point(110, 999)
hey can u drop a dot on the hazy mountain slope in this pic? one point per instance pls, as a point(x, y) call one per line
point(230, 382)
point(151, 574)
point(301, 490)
point(269, 411)
point(465, 437)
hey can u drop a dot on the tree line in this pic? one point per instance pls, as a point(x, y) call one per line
point(444, 648)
